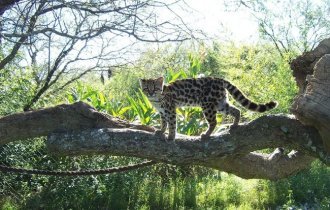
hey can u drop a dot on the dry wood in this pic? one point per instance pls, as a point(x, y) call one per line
point(312, 106)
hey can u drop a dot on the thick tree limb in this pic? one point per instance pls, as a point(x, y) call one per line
point(64, 117)
point(228, 151)
point(272, 166)
point(78, 129)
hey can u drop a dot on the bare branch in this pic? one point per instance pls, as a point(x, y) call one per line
point(46, 26)
point(22, 39)
point(48, 82)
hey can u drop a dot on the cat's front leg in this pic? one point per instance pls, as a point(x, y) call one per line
point(172, 126)
point(163, 126)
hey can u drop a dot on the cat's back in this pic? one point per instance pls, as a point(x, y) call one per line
point(194, 91)
point(195, 83)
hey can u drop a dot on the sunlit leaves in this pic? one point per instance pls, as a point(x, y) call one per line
point(141, 107)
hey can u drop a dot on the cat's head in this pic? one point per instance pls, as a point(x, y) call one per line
point(152, 87)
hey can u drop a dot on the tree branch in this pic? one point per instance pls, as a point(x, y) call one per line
point(17, 46)
point(64, 117)
point(78, 129)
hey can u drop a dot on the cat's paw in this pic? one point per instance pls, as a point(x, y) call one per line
point(234, 126)
point(170, 138)
point(160, 134)
point(204, 137)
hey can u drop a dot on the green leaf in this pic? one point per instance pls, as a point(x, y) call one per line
point(101, 98)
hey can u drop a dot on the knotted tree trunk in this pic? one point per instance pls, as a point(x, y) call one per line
point(79, 129)
point(312, 73)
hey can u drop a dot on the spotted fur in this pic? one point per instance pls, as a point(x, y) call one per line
point(207, 92)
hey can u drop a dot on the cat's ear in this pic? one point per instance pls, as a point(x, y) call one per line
point(160, 80)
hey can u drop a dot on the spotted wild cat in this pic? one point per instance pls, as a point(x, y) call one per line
point(208, 93)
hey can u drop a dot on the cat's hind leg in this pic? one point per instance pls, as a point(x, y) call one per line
point(210, 114)
point(229, 109)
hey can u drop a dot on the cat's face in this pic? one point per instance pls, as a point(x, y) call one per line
point(152, 87)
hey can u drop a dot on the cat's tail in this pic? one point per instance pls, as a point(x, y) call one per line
point(247, 103)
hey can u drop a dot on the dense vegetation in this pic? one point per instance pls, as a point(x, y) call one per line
point(259, 71)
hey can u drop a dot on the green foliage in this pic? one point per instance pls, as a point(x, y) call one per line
point(16, 89)
point(141, 107)
point(171, 75)
point(193, 70)
point(101, 100)
point(7, 204)
point(261, 74)
point(190, 121)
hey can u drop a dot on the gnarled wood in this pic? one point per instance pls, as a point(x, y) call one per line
point(312, 106)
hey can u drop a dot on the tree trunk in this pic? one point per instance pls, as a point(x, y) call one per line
point(312, 105)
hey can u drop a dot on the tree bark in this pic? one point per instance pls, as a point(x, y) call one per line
point(78, 116)
point(312, 105)
point(229, 151)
